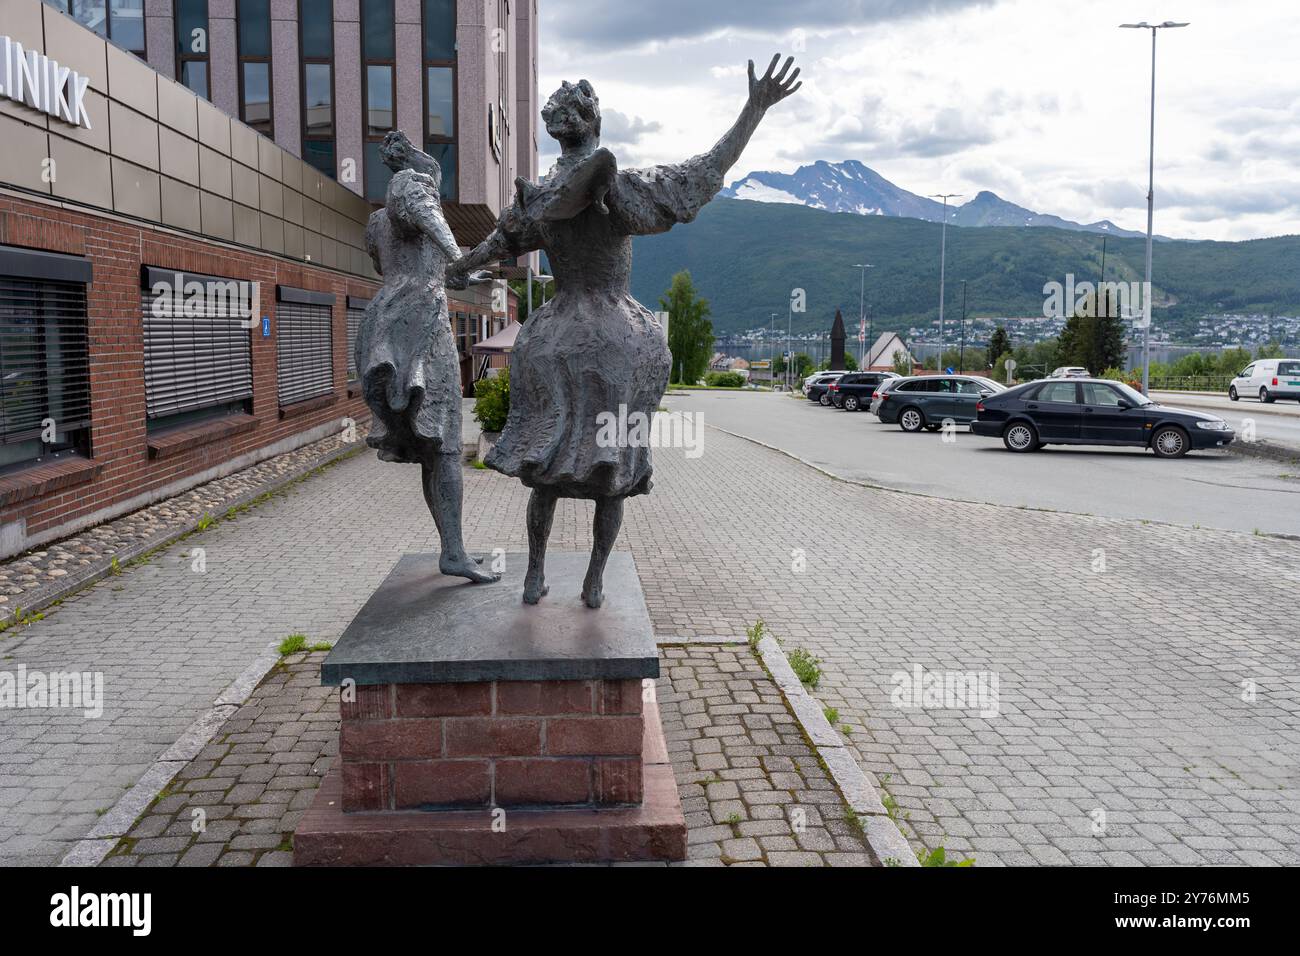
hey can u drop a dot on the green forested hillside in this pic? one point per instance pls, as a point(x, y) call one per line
point(745, 257)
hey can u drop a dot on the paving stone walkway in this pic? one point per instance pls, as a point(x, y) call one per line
point(33, 572)
point(1148, 703)
point(752, 789)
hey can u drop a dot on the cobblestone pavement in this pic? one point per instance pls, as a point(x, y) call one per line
point(41, 568)
point(1120, 688)
point(751, 786)
point(36, 570)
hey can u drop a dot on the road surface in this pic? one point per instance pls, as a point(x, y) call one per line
point(1211, 489)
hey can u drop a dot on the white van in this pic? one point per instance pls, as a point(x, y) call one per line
point(1267, 380)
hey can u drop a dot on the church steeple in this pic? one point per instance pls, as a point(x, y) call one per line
point(837, 342)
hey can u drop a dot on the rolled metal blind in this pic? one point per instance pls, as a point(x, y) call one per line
point(354, 325)
point(44, 358)
point(305, 351)
point(194, 362)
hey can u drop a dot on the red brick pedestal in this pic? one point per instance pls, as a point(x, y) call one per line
point(550, 809)
point(491, 771)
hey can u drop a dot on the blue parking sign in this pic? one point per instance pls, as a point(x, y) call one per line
point(266, 326)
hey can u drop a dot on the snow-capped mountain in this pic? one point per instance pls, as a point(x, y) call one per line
point(852, 187)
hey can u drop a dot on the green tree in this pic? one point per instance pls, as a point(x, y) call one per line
point(902, 364)
point(850, 364)
point(1232, 361)
point(690, 333)
point(1094, 335)
point(1272, 350)
point(802, 364)
point(520, 288)
point(999, 344)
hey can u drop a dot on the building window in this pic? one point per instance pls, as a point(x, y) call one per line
point(356, 313)
point(440, 90)
point(255, 65)
point(379, 100)
point(121, 22)
point(44, 368)
point(198, 360)
point(192, 46)
point(316, 41)
point(378, 43)
point(304, 340)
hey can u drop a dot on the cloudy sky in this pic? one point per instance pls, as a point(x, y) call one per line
point(1042, 101)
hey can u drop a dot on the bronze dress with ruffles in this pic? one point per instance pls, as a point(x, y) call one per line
point(593, 348)
point(405, 352)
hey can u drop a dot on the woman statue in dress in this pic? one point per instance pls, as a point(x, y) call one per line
point(593, 351)
point(406, 353)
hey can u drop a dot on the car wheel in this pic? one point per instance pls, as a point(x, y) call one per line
point(850, 403)
point(1264, 396)
point(1020, 436)
point(1170, 442)
point(825, 400)
point(910, 419)
point(1232, 392)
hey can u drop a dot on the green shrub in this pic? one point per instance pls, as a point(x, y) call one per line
point(805, 667)
point(724, 380)
point(937, 857)
point(293, 644)
point(492, 401)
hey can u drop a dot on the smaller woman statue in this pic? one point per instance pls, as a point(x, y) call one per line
point(406, 353)
point(593, 350)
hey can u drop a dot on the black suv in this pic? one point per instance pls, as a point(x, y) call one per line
point(853, 392)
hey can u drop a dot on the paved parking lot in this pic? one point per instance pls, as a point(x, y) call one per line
point(1147, 705)
point(1211, 488)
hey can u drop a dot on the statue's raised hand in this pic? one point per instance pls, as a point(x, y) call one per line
point(772, 89)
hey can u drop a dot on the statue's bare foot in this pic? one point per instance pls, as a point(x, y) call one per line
point(593, 595)
point(534, 591)
point(466, 568)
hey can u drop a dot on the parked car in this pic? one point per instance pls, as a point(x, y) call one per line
point(878, 395)
point(853, 392)
point(1268, 380)
point(816, 387)
point(1094, 412)
point(927, 401)
point(1070, 371)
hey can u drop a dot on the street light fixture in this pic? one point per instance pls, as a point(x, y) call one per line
point(771, 351)
point(943, 251)
point(1151, 193)
point(862, 313)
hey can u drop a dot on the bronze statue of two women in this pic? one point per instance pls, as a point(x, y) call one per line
point(589, 350)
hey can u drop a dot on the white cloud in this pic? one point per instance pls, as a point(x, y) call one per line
point(1043, 102)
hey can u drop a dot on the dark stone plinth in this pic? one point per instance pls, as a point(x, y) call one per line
point(422, 627)
point(654, 830)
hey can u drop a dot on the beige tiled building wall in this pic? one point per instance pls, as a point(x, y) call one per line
point(157, 152)
point(496, 73)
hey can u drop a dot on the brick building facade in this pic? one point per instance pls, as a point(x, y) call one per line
point(108, 401)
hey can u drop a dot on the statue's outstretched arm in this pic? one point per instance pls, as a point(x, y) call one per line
point(763, 94)
point(429, 218)
point(511, 237)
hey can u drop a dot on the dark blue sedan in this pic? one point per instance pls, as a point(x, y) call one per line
point(1093, 411)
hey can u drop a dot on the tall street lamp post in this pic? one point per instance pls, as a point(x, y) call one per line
point(1151, 194)
point(862, 312)
point(943, 251)
point(771, 351)
point(961, 354)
